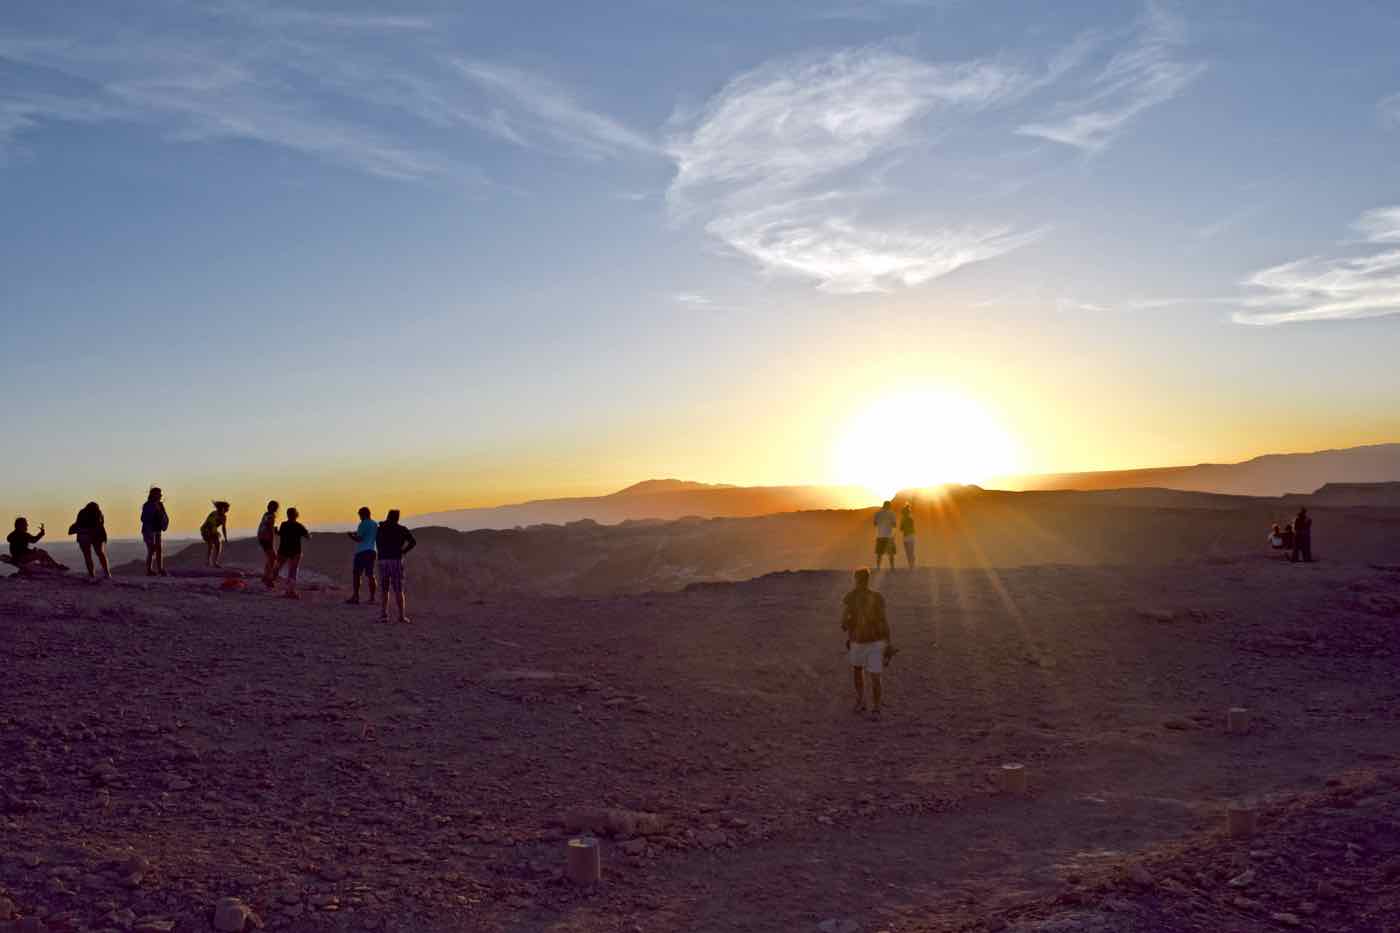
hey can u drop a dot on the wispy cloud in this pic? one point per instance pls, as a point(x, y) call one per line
point(767, 162)
point(536, 107)
point(1389, 110)
point(1148, 72)
point(1363, 284)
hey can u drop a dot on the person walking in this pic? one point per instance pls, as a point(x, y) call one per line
point(394, 542)
point(1302, 537)
point(22, 549)
point(155, 521)
point(267, 540)
point(91, 529)
point(290, 535)
point(884, 534)
point(867, 639)
point(364, 537)
point(215, 522)
point(906, 532)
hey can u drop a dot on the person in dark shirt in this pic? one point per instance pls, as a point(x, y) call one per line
point(394, 541)
point(290, 534)
point(91, 529)
point(1302, 537)
point(154, 523)
point(22, 549)
point(867, 638)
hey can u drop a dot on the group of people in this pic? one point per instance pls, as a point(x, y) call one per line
point(1294, 539)
point(885, 523)
point(380, 546)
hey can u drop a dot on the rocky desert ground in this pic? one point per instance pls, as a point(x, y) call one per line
point(166, 744)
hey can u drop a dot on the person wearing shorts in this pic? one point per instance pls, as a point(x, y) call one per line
point(290, 535)
point(214, 531)
point(364, 536)
point(884, 534)
point(267, 540)
point(867, 638)
point(394, 542)
point(155, 521)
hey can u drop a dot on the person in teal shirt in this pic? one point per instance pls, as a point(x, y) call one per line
point(364, 537)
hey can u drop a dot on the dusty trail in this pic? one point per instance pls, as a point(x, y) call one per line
point(336, 773)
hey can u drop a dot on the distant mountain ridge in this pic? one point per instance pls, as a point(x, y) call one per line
point(1270, 475)
point(652, 500)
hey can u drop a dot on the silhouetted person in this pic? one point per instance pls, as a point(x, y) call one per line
point(867, 637)
point(1276, 537)
point(91, 529)
point(215, 523)
point(1302, 536)
point(267, 540)
point(290, 535)
point(364, 537)
point(394, 542)
point(906, 532)
point(22, 549)
point(1287, 536)
point(154, 523)
point(885, 522)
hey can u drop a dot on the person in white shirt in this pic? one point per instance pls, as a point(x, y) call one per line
point(885, 521)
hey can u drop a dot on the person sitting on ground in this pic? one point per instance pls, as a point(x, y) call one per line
point(289, 537)
point(1302, 537)
point(884, 534)
point(267, 540)
point(394, 542)
point(867, 636)
point(22, 550)
point(215, 522)
point(1287, 537)
point(154, 523)
point(1276, 537)
point(363, 536)
point(91, 529)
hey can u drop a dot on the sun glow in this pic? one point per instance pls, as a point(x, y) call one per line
point(920, 439)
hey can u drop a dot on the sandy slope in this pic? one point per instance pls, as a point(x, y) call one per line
point(340, 774)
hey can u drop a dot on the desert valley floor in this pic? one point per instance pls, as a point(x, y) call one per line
point(165, 744)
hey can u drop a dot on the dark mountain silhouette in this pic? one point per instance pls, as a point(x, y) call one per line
point(1269, 475)
point(666, 499)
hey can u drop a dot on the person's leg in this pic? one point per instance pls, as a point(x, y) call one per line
point(355, 570)
point(875, 693)
point(384, 582)
point(369, 580)
point(858, 680)
point(101, 548)
point(292, 564)
point(399, 598)
point(150, 556)
point(218, 552)
point(160, 556)
point(86, 548)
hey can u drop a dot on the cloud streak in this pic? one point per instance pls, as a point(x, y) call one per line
point(1149, 72)
point(1363, 284)
point(767, 165)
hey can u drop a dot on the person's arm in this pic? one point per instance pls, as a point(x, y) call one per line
point(164, 518)
point(884, 622)
point(39, 537)
point(354, 537)
point(409, 542)
point(305, 532)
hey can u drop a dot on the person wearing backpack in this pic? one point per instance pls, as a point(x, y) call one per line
point(155, 521)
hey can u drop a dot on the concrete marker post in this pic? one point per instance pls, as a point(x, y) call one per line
point(585, 865)
point(1013, 779)
point(1240, 819)
point(1237, 720)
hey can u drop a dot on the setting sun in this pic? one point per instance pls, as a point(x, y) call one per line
point(918, 439)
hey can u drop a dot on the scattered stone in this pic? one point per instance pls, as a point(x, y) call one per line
point(1287, 919)
point(7, 909)
point(333, 873)
point(231, 915)
point(634, 847)
point(711, 838)
point(618, 823)
point(153, 925)
point(1243, 880)
point(1140, 876)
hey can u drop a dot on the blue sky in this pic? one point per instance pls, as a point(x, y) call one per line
point(466, 255)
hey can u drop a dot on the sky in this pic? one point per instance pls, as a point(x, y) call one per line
point(431, 255)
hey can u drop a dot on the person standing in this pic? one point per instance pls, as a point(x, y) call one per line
point(215, 522)
point(290, 535)
point(154, 523)
point(394, 542)
point(884, 534)
point(867, 637)
point(267, 540)
point(906, 531)
point(1302, 537)
point(364, 537)
point(91, 529)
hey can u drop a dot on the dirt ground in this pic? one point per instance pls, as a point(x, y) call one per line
point(164, 744)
